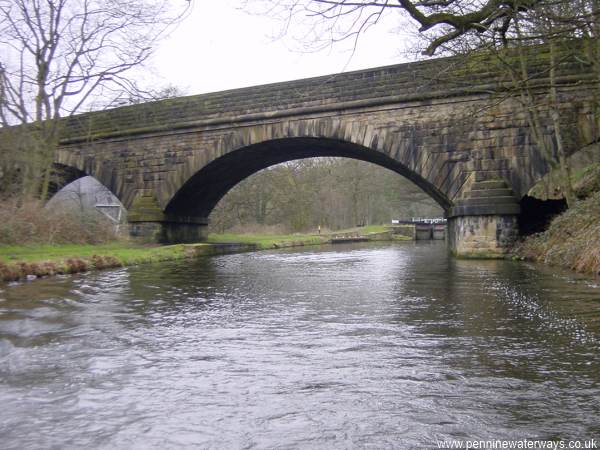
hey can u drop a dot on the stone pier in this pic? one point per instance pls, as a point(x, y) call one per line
point(169, 232)
point(148, 223)
point(484, 223)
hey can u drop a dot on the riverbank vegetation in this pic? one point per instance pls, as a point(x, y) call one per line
point(29, 223)
point(19, 262)
point(267, 241)
point(573, 238)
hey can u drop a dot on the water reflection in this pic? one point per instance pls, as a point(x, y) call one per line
point(350, 346)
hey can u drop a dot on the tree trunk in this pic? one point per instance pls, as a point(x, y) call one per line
point(565, 167)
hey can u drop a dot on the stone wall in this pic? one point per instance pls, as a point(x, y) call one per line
point(486, 236)
point(441, 145)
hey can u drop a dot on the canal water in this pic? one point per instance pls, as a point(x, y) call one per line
point(349, 346)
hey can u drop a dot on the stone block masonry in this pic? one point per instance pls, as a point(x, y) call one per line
point(447, 126)
point(483, 236)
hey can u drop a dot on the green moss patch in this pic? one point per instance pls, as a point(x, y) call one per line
point(45, 260)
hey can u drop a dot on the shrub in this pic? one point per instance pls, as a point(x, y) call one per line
point(75, 265)
point(28, 222)
point(9, 273)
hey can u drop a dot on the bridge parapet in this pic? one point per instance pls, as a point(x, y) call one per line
point(439, 78)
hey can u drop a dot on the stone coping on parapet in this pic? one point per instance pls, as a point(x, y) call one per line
point(402, 83)
point(245, 117)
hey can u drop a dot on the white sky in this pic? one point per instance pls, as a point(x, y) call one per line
point(220, 47)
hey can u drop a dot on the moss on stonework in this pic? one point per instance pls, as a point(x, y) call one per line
point(145, 209)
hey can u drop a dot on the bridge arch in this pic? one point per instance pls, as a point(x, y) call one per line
point(202, 191)
point(196, 188)
point(70, 166)
point(64, 175)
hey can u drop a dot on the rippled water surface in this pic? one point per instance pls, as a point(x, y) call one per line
point(376, 346)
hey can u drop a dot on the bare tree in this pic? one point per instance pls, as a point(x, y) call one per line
point(443, 21)
point(59, 56)
point(505, 29)
point(444, 25)
point(554, 25)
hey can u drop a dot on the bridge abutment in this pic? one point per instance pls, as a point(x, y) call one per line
point(148, 223)
point(484, 223)
point(169, 232)
point(486, 236)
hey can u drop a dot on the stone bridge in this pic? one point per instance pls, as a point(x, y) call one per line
point(450, 125)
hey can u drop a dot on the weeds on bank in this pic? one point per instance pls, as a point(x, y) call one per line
point(22, 269)
point(572, 240)
point(29, 222)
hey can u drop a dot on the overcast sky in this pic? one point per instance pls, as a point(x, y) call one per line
point(219, 47)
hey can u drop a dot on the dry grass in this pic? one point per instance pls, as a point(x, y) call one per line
point(572, 239)
point(24, 223)
point(588, 181)
point(105, 262)
point(22, 269)
point(10, 272)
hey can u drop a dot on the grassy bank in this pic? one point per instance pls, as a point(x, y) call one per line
point(573, 238)
point(126, 252)
point(572, 241)
point(18, 262)
point(38, 260)
point(267, 241)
